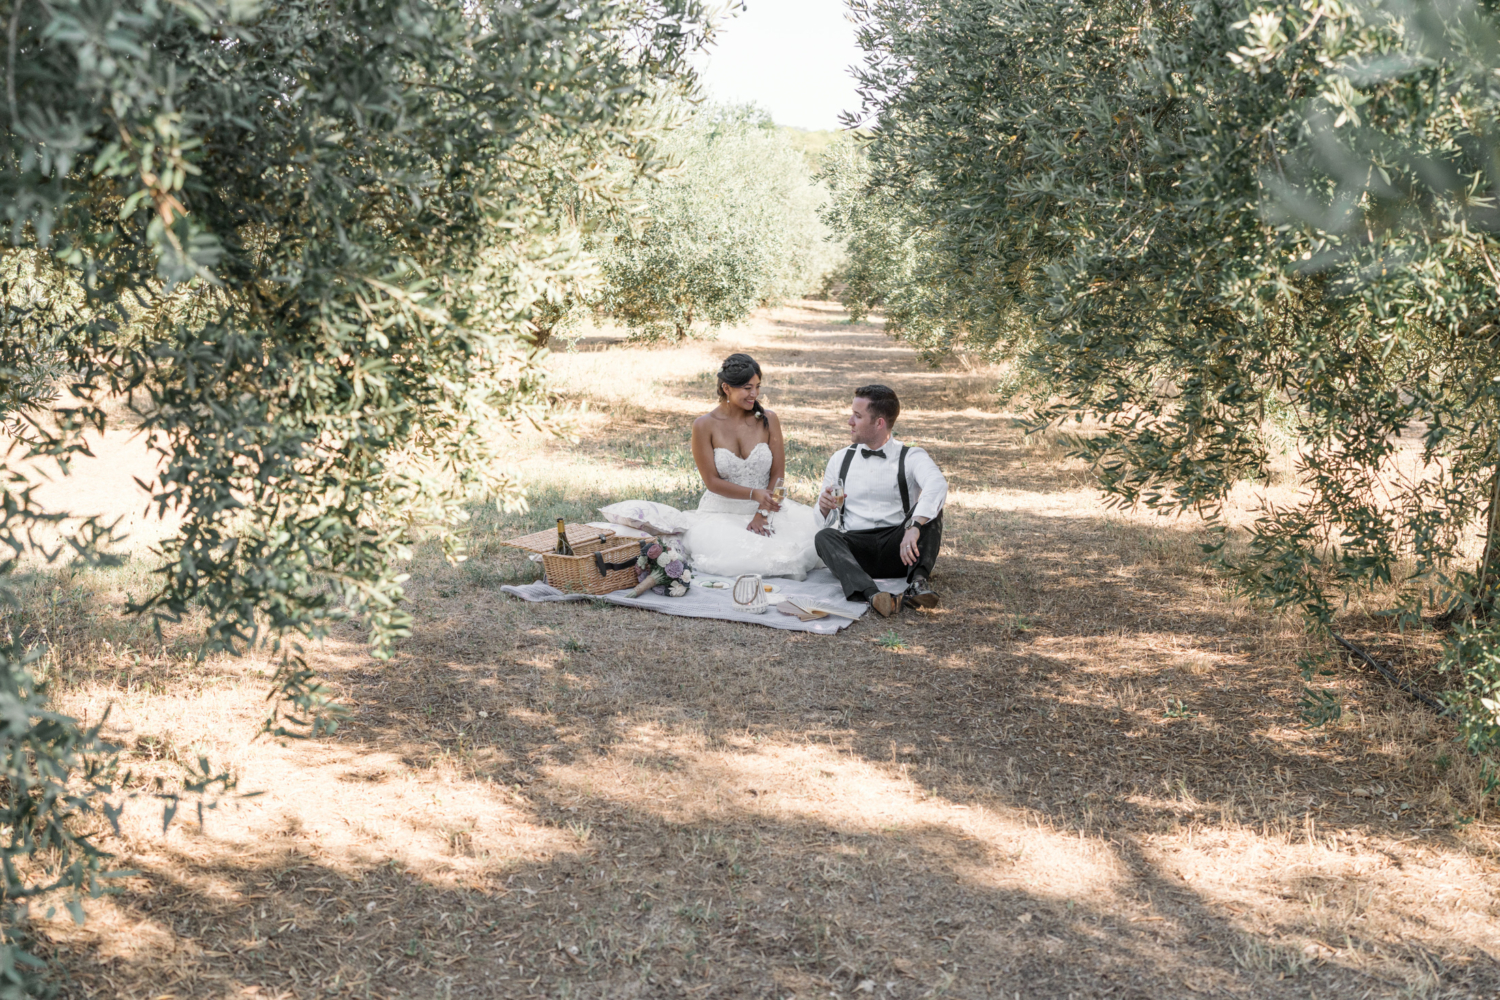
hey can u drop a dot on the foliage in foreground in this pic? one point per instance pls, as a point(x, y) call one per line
point(1216, 227)
point(306, 243)
point(734, 227)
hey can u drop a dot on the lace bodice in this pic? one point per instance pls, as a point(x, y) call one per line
point(753, 472)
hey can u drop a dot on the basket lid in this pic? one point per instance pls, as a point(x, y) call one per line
point(546, 541)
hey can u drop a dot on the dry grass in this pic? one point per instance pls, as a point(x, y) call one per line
point(1084, 776)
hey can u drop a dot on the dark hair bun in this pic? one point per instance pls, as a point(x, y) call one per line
point(738, 370)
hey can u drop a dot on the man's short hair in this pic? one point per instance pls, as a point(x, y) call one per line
point(882, 402)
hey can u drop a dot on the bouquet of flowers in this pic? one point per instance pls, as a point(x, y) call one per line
point(660, 566)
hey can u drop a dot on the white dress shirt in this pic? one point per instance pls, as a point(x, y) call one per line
point(873, 497)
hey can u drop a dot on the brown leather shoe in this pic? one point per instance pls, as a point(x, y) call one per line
point(919, 595)
point(885, 604)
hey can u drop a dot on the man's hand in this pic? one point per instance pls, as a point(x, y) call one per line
point(760, 526)
point(909, 553)
point(826, 502)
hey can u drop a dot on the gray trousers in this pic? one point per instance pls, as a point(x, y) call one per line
point(857, 557)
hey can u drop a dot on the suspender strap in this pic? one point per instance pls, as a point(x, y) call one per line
point(848, 461)
point(844, 475)
point(901, 481)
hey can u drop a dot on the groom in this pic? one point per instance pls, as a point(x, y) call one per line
point(891, 523)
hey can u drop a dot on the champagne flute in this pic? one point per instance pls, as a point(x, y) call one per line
point(778, 490)
point(836, 494)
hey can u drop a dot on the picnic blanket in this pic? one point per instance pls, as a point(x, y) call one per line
point(704, 602)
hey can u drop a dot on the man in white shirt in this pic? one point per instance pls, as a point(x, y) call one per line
point(891, 521)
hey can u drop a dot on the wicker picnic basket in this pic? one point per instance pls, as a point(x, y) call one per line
point(600, 572)
point(600, 564)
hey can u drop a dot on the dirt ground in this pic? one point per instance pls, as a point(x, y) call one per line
point(1085, 775)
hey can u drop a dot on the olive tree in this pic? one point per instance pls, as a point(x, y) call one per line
point(305, 242)
point(880, 246)
point(732, 227)
point(1206, 223)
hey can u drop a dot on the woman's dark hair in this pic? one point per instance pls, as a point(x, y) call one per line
point(736, 372)
point(881, 401)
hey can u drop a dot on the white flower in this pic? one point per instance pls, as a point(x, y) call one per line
point(687, 576)
point(677, 589)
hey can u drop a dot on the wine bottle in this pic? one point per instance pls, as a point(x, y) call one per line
point(563, 548)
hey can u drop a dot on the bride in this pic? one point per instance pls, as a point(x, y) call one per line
point(739, 527)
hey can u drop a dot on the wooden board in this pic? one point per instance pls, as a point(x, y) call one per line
point(812, 610)
point(789, 607)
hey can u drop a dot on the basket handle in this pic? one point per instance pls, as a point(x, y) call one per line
point(605, 568)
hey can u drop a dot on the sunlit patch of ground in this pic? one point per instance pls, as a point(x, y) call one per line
point(1085, 775)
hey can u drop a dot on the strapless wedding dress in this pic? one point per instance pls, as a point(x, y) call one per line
point(717, 540)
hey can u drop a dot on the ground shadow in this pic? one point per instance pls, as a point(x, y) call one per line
point(1028, 724)
point(745, 906)
point(1048, 744)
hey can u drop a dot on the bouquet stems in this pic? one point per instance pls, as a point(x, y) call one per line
point(653, 579)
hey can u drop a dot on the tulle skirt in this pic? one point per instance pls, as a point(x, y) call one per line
point(718, 540)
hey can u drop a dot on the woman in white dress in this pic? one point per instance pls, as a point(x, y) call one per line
point(739, 527)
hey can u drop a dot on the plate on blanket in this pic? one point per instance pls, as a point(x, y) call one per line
point(720, 583)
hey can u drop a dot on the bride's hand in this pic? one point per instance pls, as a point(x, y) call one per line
point(760, 526)
point(766, 500)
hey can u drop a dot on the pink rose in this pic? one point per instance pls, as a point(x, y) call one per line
point(654, 550)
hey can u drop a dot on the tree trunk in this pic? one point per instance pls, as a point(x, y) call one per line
point(1489, 562)
point(1481, 602)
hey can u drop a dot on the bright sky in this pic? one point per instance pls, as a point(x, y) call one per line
point(791, 57)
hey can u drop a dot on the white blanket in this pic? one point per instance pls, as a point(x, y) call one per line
point(705, 602)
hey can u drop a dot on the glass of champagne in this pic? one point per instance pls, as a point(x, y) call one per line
point(778, 490)
point(836, 494)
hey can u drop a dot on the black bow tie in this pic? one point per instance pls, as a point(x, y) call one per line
point(867, 453)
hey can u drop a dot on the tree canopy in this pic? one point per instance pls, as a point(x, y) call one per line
point(1215, 227)
point(733, 227)
point(306, 243)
